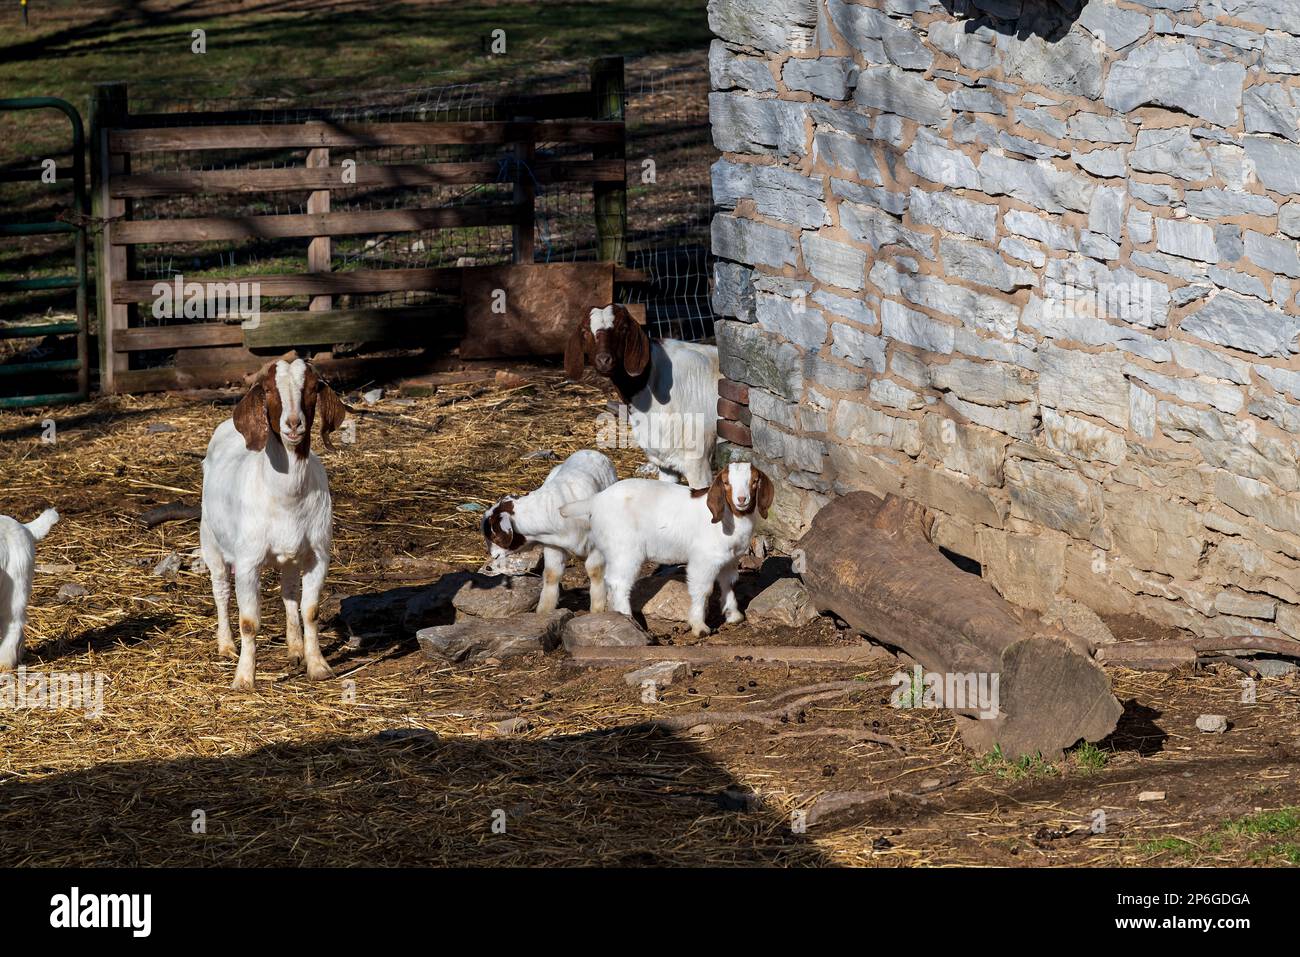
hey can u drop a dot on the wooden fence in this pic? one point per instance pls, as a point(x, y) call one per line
point(592, 120)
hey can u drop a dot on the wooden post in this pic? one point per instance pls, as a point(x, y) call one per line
point(320, 250)
point(523, 233)
point(109, 107)
point(607, 94)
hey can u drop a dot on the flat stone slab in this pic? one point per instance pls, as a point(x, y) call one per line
point(497, 596)
point(661, 673)
point(607, 629)
point(475, 639)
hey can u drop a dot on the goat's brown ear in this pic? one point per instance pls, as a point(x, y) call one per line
point(250, 419)
point(717, 499)
point(575, 356)
point(636, 344)
point(764, 492)
point(332, 411)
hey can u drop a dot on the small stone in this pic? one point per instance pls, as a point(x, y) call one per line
point(670, 602)
point(154, 428)
point(471, 507)
point(661, 673)
point(72, 590)
point(784, 601)
point(1151, 796)
point(168, 567)
point(512, 726)
point(1274, 667)
point(606, 629)
point(477, 639)
point(1079, 619)
point(1212, 723)
point(496, 596)
point(512, 564)
point(544, 455)
point(372, 397)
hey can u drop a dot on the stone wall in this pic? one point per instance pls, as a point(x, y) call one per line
point(1033, 264)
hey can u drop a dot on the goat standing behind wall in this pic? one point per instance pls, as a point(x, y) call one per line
point(17, 563)
point(670, 388)
point(266, 500)
point(512, 523)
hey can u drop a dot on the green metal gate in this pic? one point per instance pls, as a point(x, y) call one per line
point(77, 225)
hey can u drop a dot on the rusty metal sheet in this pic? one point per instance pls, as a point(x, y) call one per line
point(531, 309)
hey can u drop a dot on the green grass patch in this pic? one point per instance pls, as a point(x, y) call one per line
point(1028, 766)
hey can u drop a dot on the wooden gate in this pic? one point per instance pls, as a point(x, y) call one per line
point(587, 121)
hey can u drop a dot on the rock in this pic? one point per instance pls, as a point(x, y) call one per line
point(661, 673)
point(471, 507)
point(1171, 151)
point(607, 629)
point(168, 567)
point(70, 591)
point(1212, 723)
point(1173, 74)
point(475, 639)
point(1274, 667)
point(746, 124)
point(764, 24)
point(544, 455)
point(372, 397)
point(954, 214)
point(669, 601)
point(835, 264)
point(154, 428)
point(1048, 189)
point(1179, 237)
point(785, 601)
point(497, 596)
point(1240, 322)
point(752, 243)
point(511, 564)
point(512, 726)
point(1151, 796)
point(1277, 163)
point(1079, 619)
point(892, 90)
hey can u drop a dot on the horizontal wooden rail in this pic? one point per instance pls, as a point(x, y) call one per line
point(366, 177)
point(355, 282)
point(406, 325)
point(134, 232)
point(540, 106)
point(195, 335)
point(360, 135)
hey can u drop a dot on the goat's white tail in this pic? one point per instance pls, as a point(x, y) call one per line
point(41, 525)
point(580, 509)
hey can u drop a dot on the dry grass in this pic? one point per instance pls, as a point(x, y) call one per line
point(397, 760)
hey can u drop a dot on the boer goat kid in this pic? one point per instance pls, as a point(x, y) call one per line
point(266, 499)
point(17, 562)
point(512, 523)
point(637, 521)
point(670, 389)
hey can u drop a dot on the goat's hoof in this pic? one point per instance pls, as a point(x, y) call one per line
point(226, 648)
point(699, 631)
point(319, 671)
point(735, 617)
point(242, 682)
point(295, 655)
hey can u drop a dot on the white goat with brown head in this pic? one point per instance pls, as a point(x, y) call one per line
point(266, 500)
point(670, 389)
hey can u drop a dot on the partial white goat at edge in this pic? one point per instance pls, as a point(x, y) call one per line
point(515, 522)
point(17, 565)
point(639, 520)
point(670, 389)
point(266, 500)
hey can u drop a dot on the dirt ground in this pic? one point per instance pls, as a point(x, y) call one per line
point(398, 760)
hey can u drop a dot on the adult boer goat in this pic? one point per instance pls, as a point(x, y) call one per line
point(670, 389)
point(266, 500)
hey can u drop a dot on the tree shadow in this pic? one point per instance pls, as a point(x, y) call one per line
point(405, 797)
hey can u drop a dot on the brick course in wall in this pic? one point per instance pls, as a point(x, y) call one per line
point(1032, 263)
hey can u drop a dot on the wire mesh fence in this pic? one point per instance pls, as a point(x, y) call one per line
point(669, 151)
point(668, 155)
